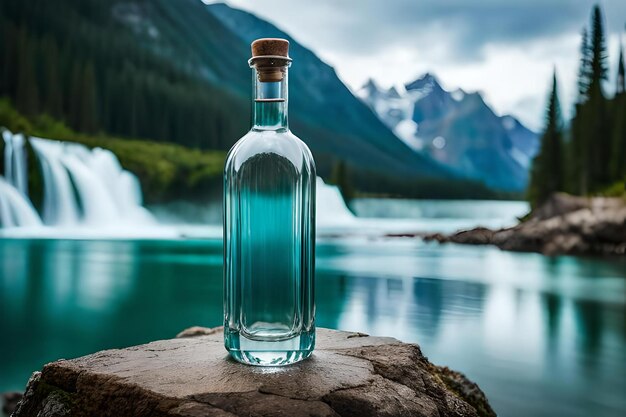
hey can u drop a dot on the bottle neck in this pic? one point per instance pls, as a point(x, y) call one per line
point(270, 102)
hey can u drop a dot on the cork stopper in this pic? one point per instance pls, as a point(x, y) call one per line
point(270, 56)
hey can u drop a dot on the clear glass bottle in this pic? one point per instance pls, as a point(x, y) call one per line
point(269, 227)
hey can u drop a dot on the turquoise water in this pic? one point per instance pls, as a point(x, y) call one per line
point(542, 336)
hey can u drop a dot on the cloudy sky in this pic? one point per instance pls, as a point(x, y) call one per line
point(504, 48)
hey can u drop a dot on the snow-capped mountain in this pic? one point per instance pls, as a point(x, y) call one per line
point(458, 129)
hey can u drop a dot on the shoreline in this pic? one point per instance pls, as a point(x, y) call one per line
point(563, 225)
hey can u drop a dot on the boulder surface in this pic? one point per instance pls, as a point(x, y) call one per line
point(350, 374)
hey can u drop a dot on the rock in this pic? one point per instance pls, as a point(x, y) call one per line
point(477, 236)
point(9, 401)
point(199, 331)
point(559, 204)
point(563, 225)
point(350, 374)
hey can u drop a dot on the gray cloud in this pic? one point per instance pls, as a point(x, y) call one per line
point(505, 48)
point(462, 28)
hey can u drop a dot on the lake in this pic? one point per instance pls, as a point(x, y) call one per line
point(542, 336)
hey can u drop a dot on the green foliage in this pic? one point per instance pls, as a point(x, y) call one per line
point(12, 119)
point(547, 174)
point(166, 171)
point(76, 62)
point(148, 70)
point(617, 189)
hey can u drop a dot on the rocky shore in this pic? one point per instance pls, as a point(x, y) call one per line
point(563, 225)
point(350, 374)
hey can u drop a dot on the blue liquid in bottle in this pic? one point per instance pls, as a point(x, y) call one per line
point(269, 233)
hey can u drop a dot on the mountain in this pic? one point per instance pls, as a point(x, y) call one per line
point(176, 71)
point(319, 100)
point(458, 129)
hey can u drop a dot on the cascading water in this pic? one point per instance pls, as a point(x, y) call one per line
point(15, 162)
point(88, 186)
point(60, 205)
point(82, 187)
point(15, 210)
point(87, 189)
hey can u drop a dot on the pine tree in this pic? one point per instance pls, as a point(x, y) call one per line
point(27, 94)
point(577, 157)
point(598, 135)
point(584, 70)
point(89, 101)
point(74, 99)
point(598, 56)
point(547, 174)
point(620, 86)
point(590, 147)
point(618, 150)
point(52, 100)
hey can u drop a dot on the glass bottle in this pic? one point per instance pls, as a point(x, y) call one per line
point(269, 227)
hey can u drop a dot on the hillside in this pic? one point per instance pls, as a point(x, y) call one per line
point(177, 72)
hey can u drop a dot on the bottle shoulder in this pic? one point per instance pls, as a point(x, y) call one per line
point(281, 144)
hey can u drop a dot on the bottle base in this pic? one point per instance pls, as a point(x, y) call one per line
point(269, 353)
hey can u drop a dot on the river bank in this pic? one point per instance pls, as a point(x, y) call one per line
point(563, 225)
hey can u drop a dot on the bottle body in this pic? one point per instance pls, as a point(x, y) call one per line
point(269, 249)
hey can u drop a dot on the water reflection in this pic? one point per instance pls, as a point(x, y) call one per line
point(541, 336)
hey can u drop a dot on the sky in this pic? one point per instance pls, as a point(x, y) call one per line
point(506, 49)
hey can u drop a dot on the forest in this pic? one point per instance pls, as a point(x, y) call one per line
point(72, 65)
point(588, 155)
point(50, 66)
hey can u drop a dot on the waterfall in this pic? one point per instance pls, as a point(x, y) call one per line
point(60, 206)
point(15, 210)
point(87, 186)
point(331, 210)
point(82, 187)
point(15, 167)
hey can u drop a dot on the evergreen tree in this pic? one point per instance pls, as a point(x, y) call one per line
point(598, 56)
point(620, 86)
point(27, 94)
point(52, 100)
point(598, 134)
point(89, 110)
point(584, 70)
point(618, 151)
point(547, 174)
point(590, 147)
point(577, 157)
point(74, 99)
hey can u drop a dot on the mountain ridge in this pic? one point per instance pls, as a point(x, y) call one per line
point(177, 72)
point(316, 83)
point(457, 128)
